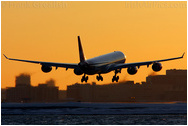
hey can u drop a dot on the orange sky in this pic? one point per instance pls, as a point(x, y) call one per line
point(47, 31)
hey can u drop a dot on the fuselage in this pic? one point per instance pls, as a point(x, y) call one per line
point(101, 63)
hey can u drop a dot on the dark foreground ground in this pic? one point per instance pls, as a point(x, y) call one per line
point(94, 119)
point(93, 113)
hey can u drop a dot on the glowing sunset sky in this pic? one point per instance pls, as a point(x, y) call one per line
point(47, 31)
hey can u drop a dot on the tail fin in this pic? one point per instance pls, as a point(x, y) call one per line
point(81, 53)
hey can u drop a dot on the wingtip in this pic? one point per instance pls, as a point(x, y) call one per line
point(5, 56)
point(183, 55)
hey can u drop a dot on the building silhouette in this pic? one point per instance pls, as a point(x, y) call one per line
point(23, 79)
point(62, 95)
point(169, 87)
point(24, 92)
point(158, 88)
point(3, 95)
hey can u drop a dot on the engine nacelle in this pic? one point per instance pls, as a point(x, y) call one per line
point(132, 70)
point(46, 69)
point(157, 67)
point(78, 71)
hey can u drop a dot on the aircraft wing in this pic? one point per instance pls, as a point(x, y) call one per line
point(65, 65)
point(138, 64)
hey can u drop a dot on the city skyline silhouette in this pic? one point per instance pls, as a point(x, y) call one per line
point(157, 88)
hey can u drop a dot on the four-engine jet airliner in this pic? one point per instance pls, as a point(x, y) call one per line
point(114, 61)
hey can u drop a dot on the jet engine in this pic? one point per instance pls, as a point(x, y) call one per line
point(78, 71)
point(46, 69)
point(132, 70)
point(156, 66)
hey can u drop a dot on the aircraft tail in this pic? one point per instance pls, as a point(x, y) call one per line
point(81, 53)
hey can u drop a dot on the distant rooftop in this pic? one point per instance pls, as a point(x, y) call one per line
point(177, 72)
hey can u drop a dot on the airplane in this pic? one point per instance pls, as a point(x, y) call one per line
point(114, 61)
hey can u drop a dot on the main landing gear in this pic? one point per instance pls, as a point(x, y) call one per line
point(84, 78)
point(116, 78)
point(99, 78)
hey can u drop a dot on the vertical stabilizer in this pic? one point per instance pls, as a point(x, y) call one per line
point(81, 53)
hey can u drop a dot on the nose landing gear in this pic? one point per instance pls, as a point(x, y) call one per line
point(84, 78)
point(99, 78)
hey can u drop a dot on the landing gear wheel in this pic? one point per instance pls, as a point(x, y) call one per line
point(99, 78)
point(115, 78)
point(84, 78)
